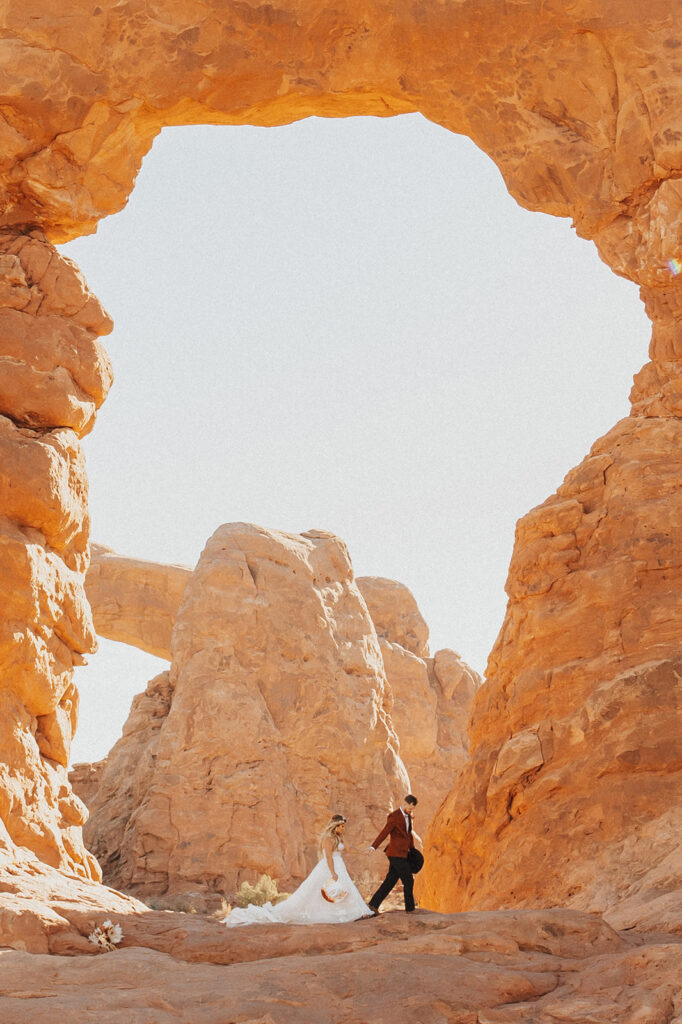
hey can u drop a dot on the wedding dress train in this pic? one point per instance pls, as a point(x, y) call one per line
point(307, 905)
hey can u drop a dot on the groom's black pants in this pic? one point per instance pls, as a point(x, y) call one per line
point(399, 870)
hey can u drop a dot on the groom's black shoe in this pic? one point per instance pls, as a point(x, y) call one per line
point(375, 910)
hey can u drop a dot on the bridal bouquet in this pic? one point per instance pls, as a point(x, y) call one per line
point(107, 935)
point(332, 892)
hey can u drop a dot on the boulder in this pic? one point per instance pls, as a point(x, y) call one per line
point(432, 700)
point(428, 700)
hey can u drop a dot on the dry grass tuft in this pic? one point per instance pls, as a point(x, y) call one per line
point(264, 891)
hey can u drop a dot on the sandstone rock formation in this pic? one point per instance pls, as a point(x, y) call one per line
point(573, 792)
point(85, 779)
point(54, 374)
point(431, 697)
point(45, 910)
point(530, 987)
point(395, 614)
point(505, 967)
point(430, 710)
point(579, 107)
point(274, 715)
point(134, 601)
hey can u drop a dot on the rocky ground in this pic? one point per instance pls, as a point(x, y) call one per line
point(474, 968)
point(495, 967)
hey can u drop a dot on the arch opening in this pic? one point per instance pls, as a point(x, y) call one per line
point(345, 324)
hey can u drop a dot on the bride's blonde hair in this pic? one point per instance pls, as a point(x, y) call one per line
point(329, 830)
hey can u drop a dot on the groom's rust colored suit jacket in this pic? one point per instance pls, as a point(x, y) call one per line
point(400, 842)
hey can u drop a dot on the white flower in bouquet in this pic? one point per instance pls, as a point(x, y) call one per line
point(107, 935)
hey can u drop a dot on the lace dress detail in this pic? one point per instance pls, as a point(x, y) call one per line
point(307, 905)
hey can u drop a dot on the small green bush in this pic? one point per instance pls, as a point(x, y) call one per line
point(264, 891)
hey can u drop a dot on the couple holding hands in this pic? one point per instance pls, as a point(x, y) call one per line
point(328, 895)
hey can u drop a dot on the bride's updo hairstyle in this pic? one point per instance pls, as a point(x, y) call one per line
point(329, 830)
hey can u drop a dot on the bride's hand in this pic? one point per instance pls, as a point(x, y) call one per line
point(335, 878)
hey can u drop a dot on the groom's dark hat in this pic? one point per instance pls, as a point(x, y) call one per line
point(416, 860)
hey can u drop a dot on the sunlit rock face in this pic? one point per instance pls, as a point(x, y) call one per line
point(426, 701)
point(505, 967)
point(395, 614)
point(134, 601)
point(431, 697)
point(578, 105)
point(54, 374)
point(572, 794)
point(430, 705)
point(273, 717)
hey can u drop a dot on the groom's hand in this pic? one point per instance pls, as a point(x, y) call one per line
point(370, 849)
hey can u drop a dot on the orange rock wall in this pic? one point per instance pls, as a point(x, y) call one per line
point(428, 700)
point(578, 105)
point(430, 707)
point(425, 700)
point(54, 373)
point(575, 781)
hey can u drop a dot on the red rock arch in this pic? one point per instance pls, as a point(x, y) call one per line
point(579, 108)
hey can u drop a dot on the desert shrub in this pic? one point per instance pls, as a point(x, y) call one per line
point(264, 891)
point(221, 911)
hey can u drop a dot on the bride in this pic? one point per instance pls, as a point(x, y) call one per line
point(327, 896)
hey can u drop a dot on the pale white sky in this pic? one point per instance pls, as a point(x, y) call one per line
point(344, 325)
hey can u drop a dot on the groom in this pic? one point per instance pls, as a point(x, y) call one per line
point(399, 827)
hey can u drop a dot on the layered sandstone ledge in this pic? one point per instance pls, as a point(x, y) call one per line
point(578, 106)
point(273, 715)
point(134, 601)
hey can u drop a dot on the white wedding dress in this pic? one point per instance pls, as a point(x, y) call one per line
point(307, 905)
